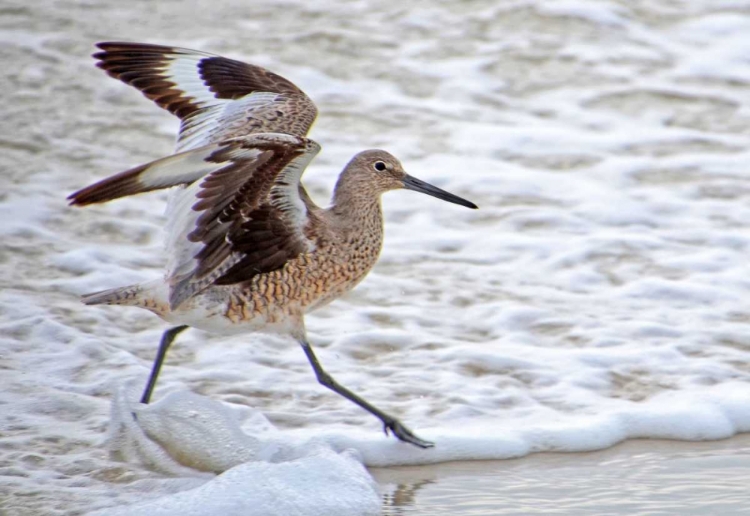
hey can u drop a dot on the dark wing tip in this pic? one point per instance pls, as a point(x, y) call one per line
point(119, 185)
point(111, 46)
point(141, 65)
point(80, 198)
point(83, 197)
point(107, 45)
point(124, 52)
point(89, 195)
point(229, 78)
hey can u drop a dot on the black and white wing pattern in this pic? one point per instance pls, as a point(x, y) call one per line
point(241, 212)
point(215, 97)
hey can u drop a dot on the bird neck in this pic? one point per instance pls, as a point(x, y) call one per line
point(352, 195)
point(357, 205)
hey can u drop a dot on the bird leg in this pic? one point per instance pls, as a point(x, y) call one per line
point(166, 341)
point(389, 422)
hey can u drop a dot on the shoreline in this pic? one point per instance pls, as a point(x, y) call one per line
point(640, 476)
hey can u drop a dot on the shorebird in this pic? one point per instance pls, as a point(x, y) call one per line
point(247, 249)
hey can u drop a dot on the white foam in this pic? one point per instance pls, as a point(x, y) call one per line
point(187, 435)
point(321, 484)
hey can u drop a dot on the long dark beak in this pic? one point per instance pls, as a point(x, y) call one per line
point(412, 183)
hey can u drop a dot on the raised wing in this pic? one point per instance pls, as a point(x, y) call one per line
point(178, 169)
point(215, 98)
point(242, 212)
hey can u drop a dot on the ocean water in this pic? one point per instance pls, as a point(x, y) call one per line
point(599, 294)
point(649, 477)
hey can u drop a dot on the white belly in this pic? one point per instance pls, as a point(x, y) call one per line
point(209, 312)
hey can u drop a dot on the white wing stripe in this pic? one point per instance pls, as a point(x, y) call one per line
point(179, 168)
point(181, 219)
point(285, 194)
point(185, 74)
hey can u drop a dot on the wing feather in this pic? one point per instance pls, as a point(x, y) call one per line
point(242, 211)
point(178, 169)
point(214, 97)
point(246, 217)
point(239, 209)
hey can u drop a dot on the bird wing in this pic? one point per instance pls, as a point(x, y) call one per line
point(241, 213)
point(214, 97)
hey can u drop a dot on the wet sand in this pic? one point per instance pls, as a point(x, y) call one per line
point(644, 477)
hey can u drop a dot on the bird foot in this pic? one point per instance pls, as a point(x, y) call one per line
point(404, 434)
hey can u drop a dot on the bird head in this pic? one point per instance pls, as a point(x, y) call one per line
point(381, 170)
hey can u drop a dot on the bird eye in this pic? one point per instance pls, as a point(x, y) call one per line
point(379, 166)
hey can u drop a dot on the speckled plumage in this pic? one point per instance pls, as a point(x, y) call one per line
point(247, 248)
point(265, 258)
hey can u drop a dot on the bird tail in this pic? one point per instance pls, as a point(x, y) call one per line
point(144, 295)
point(114, 296)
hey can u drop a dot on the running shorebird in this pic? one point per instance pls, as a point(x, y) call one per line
point(247, 248)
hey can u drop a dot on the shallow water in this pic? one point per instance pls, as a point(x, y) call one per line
point(637, 477)
point(599, 294)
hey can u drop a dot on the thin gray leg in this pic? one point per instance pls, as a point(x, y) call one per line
point(166, 341)
point(389, 422)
